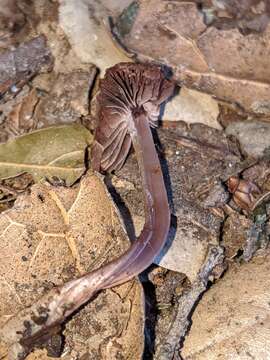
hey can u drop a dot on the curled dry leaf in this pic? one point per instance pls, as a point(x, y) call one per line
point(80, 232)
point(56, 151)
point(243, 191)
point(176, 33)
point(232, 319)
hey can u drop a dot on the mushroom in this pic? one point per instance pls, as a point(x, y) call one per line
point(129, 101)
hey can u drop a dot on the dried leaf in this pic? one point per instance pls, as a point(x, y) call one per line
point(232, 319)
point(92, 31)
point(235, 232)
point(20, 119)
point(80, 232)
point(192, 106)
point(55, 99)
point(56, 151)
point(224, 62)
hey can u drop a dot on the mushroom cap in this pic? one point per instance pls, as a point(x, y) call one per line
point(127, 90)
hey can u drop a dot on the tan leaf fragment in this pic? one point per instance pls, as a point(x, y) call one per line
point(54, 234)
point(85, 23)
point(232, 319)
point(192, 106)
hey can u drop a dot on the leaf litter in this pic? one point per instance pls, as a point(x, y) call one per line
point(194, 46)
point(201, 202)
point(42, 252)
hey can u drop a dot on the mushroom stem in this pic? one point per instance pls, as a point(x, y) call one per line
point(153, 236)
point(157, 213)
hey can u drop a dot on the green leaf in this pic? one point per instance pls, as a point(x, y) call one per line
point(56, 151)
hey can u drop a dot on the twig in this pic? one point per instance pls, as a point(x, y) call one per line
point(169, 348)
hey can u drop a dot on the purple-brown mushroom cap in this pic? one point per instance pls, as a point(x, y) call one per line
point(126, 90)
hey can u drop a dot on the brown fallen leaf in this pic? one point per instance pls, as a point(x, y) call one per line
point(7, 106)
point(55, 151)
point(177, 34)
point(232, 319)
point(80, 232)
point(52, 99)
point(10, 188)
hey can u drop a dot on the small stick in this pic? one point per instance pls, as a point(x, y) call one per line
point(169, 348)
